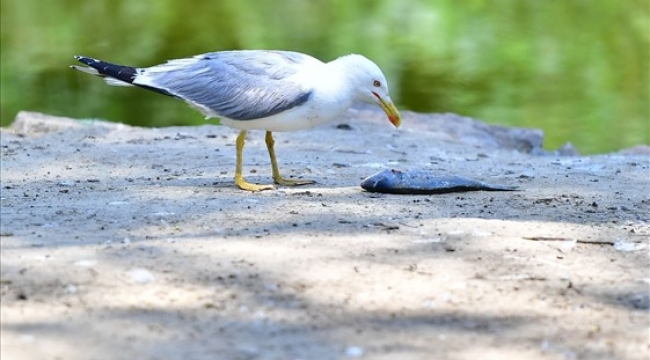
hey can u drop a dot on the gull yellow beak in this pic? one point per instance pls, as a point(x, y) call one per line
point(389, 108)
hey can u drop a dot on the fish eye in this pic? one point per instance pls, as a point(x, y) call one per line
point(376, 83)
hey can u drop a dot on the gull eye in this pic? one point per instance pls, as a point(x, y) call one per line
point(376, 83)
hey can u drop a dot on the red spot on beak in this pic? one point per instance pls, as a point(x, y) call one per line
point(389, 108)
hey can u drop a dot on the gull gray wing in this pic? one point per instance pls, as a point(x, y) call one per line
point(239, 85)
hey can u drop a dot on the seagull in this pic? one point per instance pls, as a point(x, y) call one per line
point(266, 90)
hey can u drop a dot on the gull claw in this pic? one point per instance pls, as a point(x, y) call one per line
point(243, 185)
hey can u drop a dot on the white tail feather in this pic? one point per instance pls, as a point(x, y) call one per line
point(85, 69)
point(114, 82)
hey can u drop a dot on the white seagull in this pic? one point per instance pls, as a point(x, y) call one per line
point(259, 90)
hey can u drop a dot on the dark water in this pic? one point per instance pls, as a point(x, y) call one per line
point(576, 69)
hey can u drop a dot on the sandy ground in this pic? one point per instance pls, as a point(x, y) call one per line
point(130, 243)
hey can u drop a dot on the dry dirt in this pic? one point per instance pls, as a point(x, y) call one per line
point(129, 243)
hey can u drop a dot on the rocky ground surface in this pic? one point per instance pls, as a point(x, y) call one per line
point(121, 242)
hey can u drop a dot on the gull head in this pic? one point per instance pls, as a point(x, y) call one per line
point(370, 85)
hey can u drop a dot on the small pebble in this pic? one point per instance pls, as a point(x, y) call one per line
point(27, 338)
point(622, 245)
point(182, 136)
point(85, 263)
point(428, 240)
point(141, 276)
point(478, 232)
point(355, 351)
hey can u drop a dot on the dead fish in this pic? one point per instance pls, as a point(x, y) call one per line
point(418, 181)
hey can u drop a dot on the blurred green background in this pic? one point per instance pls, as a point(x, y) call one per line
point(578, 69)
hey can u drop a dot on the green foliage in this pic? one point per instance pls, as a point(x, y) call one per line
point(577, 69)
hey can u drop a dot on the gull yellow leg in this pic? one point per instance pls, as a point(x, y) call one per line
point(239, 180)
point(274, 166)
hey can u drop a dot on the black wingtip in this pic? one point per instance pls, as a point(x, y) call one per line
point(86, 60)
point(119, 72)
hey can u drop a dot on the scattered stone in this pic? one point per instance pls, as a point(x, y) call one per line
point(623, 245)
point(636, 150)
point(183, 136)
point(85, 263)
point(141, 276)
point(567, 150)
point(354, 351)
